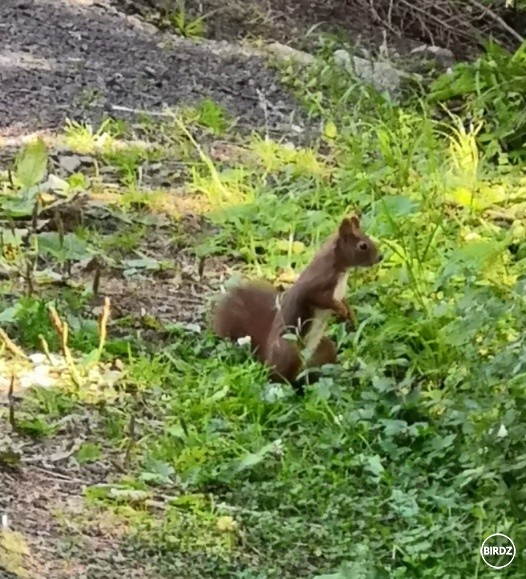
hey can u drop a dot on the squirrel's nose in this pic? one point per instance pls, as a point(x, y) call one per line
point(380, 257)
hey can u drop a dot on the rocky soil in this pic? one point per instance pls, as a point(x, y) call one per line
point(79, 59)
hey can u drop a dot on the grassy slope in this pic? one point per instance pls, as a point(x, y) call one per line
point(403, 458)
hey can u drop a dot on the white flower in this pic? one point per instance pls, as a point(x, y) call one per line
point(503, 432)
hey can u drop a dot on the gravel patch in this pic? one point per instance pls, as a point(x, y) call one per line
point(78, 59)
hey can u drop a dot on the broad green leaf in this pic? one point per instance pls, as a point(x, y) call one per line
point(441, 442)
point(91, 358)
point(31, 164)
point(393, 427)
point(298, 247)
point(72, 247)
point(254, 458)
point(14, 237)
point(19, 206)
point(284, 245)
point(8, 315)
point(475, 255)
point(157, 471)
point(355, 570)
point(398, 205)
point(374, 465)
point(382, 383)
point(219, 395)
point(177, 431)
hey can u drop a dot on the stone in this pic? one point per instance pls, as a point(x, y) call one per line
point(382, 76)
point(284, 52)
point(70, 163)
point(442, 56)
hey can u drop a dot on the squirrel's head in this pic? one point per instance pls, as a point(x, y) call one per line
point(354, 248)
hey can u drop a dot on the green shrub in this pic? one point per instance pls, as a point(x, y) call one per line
point(491, 90)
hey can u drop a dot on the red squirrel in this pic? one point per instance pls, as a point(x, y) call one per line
point(258, 311)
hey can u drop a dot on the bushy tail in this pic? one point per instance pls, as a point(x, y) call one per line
point(251, 310)
point(246, 310)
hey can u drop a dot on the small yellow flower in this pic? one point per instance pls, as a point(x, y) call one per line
point(226, 524)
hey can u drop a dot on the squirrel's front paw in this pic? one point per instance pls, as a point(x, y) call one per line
point(346, 314)
point(350, 319)
point(341, 310)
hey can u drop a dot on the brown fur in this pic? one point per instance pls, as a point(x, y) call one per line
point(246, 310)
point(314, 289)
point(252, 309)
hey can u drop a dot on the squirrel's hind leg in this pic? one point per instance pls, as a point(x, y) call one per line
point(325, 353)
point(285, 362)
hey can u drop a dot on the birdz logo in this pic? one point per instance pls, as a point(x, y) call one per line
point(497, 551)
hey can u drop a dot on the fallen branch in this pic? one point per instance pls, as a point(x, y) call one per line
point(141, 111)
point(462, 24)
point(504, 25)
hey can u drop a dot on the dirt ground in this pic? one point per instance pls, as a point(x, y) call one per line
point(100, 56)
point(97, 58)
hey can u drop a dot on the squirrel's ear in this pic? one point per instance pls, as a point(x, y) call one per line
point(347, 227)
point(355, 220)
point(350, 226)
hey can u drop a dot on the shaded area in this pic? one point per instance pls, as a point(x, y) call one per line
point(293, 22)
point(456, 25)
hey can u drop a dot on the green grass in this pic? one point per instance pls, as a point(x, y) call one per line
point(406, 456)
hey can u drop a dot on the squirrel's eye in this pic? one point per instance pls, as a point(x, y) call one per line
point(362, 246)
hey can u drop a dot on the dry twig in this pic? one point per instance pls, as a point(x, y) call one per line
point(62, 330)
point(103, 322)
point(11, 401)
point(11, 346)
point(461, 25)
point(504, 25)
